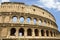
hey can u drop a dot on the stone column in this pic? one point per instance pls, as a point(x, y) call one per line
point(37, 22)
point(42, 23)
point(10, 19)
point(49, 34)
point(25, 32)
point(47, 24)
point(39, 32)
point(8, 32)
point(50, 24)
point(31, 21)
point(25, 20)
point(3, 18)
point(0, 31)
point(33, 34)
point(53, 34)
point(44, 32)
point(18, 20)
point(17, 32)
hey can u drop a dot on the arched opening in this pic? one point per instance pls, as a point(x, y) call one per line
point(29, 32)
point(40, 22)
point(21, 19)
point(35, 21)
point(51, 33)
point(12, 32)
point(21, 32)
point(47, 32)
point(28, 20)
point(36, 32)
point(45, 22)
point(42, 32)
point(48, 22)
point(14, 19)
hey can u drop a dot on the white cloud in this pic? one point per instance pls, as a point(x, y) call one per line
point(58, 5)
point(50, 4)
point(5, 0)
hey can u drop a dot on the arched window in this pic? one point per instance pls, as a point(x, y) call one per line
point(35, 20)
point(12, 32)
point(51, 33)
point(29, 32)
point(40, 22)
point(48, 23)
point(45, 22)
point(42, 32)
point(21, 32)
point(47, 32)
point(36, 32)
point(21, 19)
point(28, 20)
point(14, 19)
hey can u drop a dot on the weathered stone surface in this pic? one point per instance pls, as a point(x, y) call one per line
point(45, 22)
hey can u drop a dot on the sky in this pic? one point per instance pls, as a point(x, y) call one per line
point(52, 6)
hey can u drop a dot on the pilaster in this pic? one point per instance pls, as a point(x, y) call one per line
point(17, 32)
point(33, 34)
point(25, 32)
point(39, 32)
point(45, 33)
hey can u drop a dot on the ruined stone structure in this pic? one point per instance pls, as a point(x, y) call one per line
point(19, 21)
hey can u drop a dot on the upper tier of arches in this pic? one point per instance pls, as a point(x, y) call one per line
point(26, 18)
point(21, 7)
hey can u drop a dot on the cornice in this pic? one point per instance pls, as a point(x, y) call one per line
point(25, 25)
point(12, 3)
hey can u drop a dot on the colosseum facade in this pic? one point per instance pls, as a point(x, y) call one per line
point(19, 21)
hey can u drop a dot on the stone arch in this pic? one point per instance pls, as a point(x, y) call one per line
point(36, 32)
point(14, 19)
point(29, 32)
point(21, 32)
point(47, 33)
point(48, 22)
point(28, 19)
point(22, 19)
point(12, 31)
point(45, 21)
point(42, 32)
